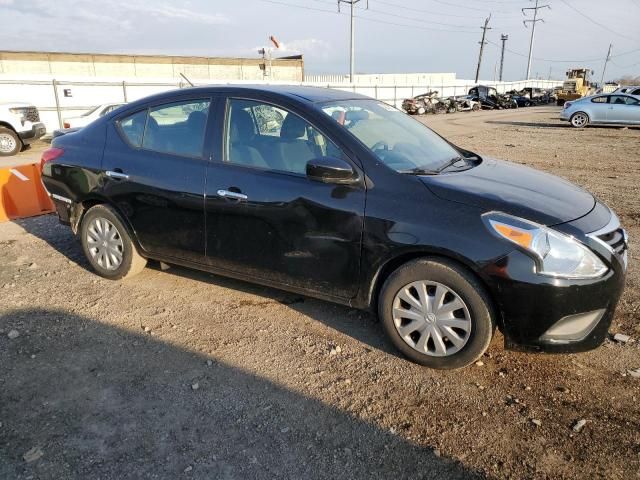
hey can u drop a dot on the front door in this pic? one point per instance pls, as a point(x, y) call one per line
point(623, 109)
point(266, 219)
point(155, 167)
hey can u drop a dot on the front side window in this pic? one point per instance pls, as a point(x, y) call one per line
point(177, 128)
point(399, 141)
point(622, 100)
point(265, 136)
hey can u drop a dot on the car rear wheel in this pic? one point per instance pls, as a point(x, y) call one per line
point(579, 120)
point(436, 313)
point(10, 143)
point(108, 246)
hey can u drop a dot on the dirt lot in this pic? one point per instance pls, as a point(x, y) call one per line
point(181, 374)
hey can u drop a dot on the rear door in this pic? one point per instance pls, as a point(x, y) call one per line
point(623, 109)
point(265, 218)
point(154, 172)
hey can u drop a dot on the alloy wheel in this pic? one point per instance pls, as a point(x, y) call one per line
point(431, 318)
point(7, 143)
point(579, 120)
point(105, 243)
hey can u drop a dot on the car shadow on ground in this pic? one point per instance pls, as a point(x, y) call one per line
point(88, 400)
point(359, 325)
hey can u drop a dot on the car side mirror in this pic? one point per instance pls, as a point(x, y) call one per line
point(330, 170)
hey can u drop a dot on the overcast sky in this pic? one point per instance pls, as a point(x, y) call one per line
point(391, 36)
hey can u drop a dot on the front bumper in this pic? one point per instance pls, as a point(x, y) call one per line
point(552, 314)
point(30, 136)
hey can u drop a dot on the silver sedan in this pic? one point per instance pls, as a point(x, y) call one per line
point(618, 109)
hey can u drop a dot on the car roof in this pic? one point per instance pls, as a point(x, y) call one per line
point(296, 92)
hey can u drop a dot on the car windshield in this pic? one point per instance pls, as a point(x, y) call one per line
point(398, 140)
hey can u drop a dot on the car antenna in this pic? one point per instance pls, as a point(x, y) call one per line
point(188, 81)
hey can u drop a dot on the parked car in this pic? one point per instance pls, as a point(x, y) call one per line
point(88, 117)
point(522, 101)
point(628, 89)
point(20, 126)
point(466, 103)
point(424, 103)
point(490, 99)
point(348, 200)
point(602, 109)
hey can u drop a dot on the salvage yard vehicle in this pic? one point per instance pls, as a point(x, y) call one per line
point(450, 245)
point(490, 99)
point(20, 126)
point(577, 85)
point(424, 103)
point(602, 110)
point(465, 104)
point(88, 117)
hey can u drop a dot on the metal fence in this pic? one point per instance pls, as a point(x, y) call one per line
point(57, 100)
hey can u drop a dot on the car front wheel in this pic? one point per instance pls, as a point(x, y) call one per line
point(579, 120)
point(436, 313)
point(107, 244)
point(10, 143)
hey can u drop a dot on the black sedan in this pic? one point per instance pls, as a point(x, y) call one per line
point(344, 198)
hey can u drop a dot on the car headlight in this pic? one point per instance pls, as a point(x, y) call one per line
point(556, 254)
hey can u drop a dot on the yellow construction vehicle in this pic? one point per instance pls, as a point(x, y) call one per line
point(577, 85)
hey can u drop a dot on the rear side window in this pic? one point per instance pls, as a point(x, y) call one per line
point(177, 128)
point(599, 100)
point(133, 127)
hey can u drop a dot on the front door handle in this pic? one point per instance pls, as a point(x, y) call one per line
point(233, 195)
point(118, 175)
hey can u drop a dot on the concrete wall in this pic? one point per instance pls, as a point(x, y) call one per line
point(131, 67)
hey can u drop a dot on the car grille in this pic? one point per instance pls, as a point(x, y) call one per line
point(31, 114)
point(616, 239)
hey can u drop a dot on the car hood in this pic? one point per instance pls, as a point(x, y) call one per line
point(496, 185)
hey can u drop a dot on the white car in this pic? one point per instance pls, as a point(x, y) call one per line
point(86, 118)
point(629, 90)
point(20, 126)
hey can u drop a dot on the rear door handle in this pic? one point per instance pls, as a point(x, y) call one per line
point(119, 175)
point(234, 195)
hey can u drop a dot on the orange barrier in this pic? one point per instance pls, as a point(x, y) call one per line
point(22, 193)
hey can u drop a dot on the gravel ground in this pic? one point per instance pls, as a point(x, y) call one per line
point(182, 374)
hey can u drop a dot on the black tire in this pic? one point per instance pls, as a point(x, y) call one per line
point(132, 262)
point(579, 120)
point(10, 143)
point(468, 289)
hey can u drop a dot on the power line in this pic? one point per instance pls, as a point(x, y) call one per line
point(595, 22)
point(430, 12)
point(382, 12)
point(369, 19)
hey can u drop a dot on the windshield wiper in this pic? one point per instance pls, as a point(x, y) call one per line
point(419, 171)
point(427, 171)
point(449, 163)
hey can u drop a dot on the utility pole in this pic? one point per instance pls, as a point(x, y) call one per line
point(482, 44)
point(604, 69)
point(504, 39)
point(352, 60)
point(533, 29)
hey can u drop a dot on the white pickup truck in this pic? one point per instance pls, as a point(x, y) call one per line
point(20, 125)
